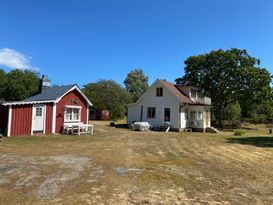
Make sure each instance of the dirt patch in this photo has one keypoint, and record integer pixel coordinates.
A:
(28, 172)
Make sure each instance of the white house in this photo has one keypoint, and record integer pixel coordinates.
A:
(176, 105)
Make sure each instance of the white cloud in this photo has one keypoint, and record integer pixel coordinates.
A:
(14, 59)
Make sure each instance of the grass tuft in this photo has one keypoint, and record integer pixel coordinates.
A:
(239, 132)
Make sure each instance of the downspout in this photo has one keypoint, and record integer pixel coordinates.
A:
(141, 113)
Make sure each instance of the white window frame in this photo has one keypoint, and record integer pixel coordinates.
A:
(72, 107)
(200, 117)
(194, 91)
(151, 109)
(193, 117)
(159, 92)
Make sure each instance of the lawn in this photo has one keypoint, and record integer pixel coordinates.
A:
(118, 166)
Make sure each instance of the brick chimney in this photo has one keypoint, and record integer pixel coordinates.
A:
(44, 83)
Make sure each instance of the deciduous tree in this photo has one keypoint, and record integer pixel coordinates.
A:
(19, 84)
(2, 84)
(136, 83)
(228, 76)
(108, 95)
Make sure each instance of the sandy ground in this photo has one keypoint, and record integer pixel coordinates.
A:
(118, 166)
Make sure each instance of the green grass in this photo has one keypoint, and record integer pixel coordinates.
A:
(239, 132)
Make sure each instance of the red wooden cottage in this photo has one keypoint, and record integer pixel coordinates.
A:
(46, 111)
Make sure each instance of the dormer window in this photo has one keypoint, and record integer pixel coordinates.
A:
(159, 92)
(193, 93)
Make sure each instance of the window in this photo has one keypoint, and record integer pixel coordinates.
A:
(167, 114)
(200, 115)
(72, 114)
(193, 114)
(39, 111)
(193, 93)
(159, 92)
(151, 112)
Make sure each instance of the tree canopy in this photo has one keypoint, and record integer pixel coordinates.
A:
(18, 84)
(2, 84)
(136, 83)
(108, 95)
(228, 76)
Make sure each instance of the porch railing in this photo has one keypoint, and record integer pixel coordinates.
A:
(202, 100)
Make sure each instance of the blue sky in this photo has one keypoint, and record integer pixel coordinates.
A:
(84, 41)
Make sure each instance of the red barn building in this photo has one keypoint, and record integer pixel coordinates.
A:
(46, 111)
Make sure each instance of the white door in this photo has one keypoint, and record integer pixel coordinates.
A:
(38, 117)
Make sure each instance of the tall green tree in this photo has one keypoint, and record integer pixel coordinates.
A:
(2, 84)
(136, 83)
(20, 84)
(108, 95)
(233, 112)
(228, 76)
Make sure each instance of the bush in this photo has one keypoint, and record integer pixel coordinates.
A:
(239, 132)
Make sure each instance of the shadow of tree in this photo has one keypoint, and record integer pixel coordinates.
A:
(260, 141)
(122, 126)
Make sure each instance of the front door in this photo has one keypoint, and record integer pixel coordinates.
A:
(207, 118)
(38, 117)
(167, 114)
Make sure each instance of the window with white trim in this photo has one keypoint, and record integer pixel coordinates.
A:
(150, 112)
(39, 111)
(159, 92)
(72, 114)
(193, 93)
(193, 114)
(200, 115)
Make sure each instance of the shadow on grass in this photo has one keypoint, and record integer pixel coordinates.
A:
(119, 126)
(232, 128)
(122, 126)
(259, 141)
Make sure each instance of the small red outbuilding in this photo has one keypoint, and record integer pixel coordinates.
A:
(46, 111)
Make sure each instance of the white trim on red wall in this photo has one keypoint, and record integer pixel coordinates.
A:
(32, 119)
(44, 130)
(9, 120)
(54, 118)
(26, 103)
(87, 114)
(79, 90)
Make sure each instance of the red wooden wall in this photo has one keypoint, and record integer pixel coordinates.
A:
(4, 112)
(68, 100)
(49, 115)
(21, 120)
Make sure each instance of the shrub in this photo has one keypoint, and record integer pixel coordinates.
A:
(239, 132)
